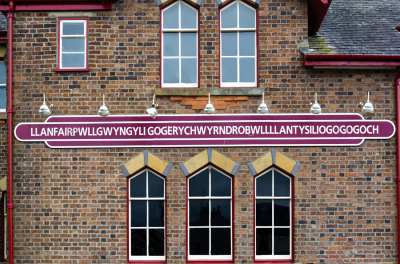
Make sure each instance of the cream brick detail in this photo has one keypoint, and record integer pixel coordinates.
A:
(3, 50)
(3, 184)
(164, 2)
(156, 164)
(135, 164)
(284, 162)
(263, 163)
(222, 161)
(196, 162)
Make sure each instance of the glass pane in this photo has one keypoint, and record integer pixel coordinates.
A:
(138, 213)
(171, 17)
(281, 185)
(229, 17)
(247, 16)
(247, 69)
(198, 212)
(138, 242)
(74, 28)
(3, 73)
(189, 71)
(156, 185)
(156, 213)
(229, 70)
(171, 44)
(73, 45)
(282, 241)
(156, 242)
(188, 44)
(220, 184)
(229, 43)
(137, 185)
(264, 184)
(282, 212)
(189, 17)
(263, 241)
(263, 212)
(220, 241)
(73, 60)
(221, 212)
(198, 185)
(247, 43)
(3, 98)
(171, 70)
(198, 241)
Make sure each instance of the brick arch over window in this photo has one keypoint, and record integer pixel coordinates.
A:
(251, 2)
(146, 160)
(209, 156)
(162, 3)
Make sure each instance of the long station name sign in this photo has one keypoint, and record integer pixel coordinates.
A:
(204, 130)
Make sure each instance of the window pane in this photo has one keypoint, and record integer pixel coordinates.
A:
(3, 98)
(76, 60)
(156, 185)
(229, 17)
(229, 43)
(220, 212)
(198, 185)
(199, 241)
(156, 242)
(198, 212)
(247, 16)
(156, 213)
(264, 184)
(282, 241)
(247, 69)
(247, 43)
(171, 17)
(138, 213)
(189, 17)
(282, 212)
(137, 185)
(263, 212)
(75, 28)
(73, 45)
(171, 70)
(189, 71)
(138, 242)
(229, 70)
(281, 185)
(171, 44)
(220, 184)
(220, 241)
(263, 241)
(3, 73)
(188, 44)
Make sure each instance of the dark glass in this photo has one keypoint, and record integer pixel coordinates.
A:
(220, 241)
(263, 241)
(263, 212)
(282, 212)
(220, 184)
(199, 243)
(138, 242)
(282, 241)
(281, 185)
(138, 185)
(264, 184)
(138, 213)
(198, 185)
(156, 242)
(156, 213)
(221, 212)
(3, 73)
(198, 212)
(156, 186)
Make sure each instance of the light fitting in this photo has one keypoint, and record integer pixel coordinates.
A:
(103, 110)
(315, 106)
(209, 109)
(367, 107)
(45, 109)
(152, 111)
(263, 108)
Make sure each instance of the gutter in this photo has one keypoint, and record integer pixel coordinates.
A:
(351, 60)
(59, 5)
(397, 84)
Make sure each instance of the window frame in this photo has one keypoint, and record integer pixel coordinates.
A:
(210, 258)
(256, 50)
(128, 199)
(61, 21)
(179, 31)
(267, 258)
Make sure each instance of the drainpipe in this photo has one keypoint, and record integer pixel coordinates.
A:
(397, 83)
(10, 111)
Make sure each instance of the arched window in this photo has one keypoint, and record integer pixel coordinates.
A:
(179, 46)
(210, 215)
(238, 45)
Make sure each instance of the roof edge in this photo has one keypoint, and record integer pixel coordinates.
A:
(351, 60)
(317, 10)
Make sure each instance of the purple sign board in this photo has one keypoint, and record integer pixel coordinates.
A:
(205, 130)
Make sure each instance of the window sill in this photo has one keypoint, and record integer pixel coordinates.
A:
(288, 261)
(72, 70)
(204, 91)
(3, 116)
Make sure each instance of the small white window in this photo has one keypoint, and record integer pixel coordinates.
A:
(73, 44)
(179, 38)
(238, 46)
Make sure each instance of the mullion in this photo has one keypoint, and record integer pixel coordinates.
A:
(209, 211)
